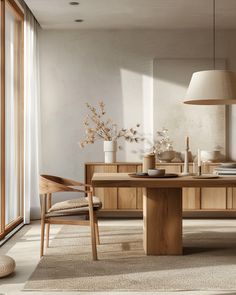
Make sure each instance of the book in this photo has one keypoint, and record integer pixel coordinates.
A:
(225, 169)
(226, 174)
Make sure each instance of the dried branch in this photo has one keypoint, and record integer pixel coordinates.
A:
(98, 127)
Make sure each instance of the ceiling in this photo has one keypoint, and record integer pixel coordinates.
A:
(133, 14)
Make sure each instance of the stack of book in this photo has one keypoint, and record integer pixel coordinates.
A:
(227, 169)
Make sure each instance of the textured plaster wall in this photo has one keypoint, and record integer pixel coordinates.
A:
(117, 66)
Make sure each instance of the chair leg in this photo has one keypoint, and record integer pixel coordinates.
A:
(47, 234)
(93, 239)
(96, 229)
(93, 234)
(42, 237)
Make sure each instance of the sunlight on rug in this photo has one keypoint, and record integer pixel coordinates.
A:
(208, 263)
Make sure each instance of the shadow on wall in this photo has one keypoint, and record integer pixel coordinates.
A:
(117, 66)
(171, 79)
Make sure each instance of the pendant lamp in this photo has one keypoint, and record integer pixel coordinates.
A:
(212, 87)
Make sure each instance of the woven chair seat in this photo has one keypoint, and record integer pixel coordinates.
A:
(73, 207)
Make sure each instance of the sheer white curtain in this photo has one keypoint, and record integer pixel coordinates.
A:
(31, 119)
(12, 145)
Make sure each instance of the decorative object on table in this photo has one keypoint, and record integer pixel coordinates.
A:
(179, 158)
(163, 146)
(228, 165)
(212, 87)
(97, 126)
(110, 149)
(156, 172)
(166, 156)
(7, 265)
(199, 162)
(149, 162)
(186, 158)
(210, 156)
(190, 156)
(226, 169)
(145, 175)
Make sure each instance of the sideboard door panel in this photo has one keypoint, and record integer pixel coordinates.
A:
(191, 198)
(127, 197)
(213, 198)
(108, 196)
(233, 198)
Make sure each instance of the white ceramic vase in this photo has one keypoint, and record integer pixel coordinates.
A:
(110, 149)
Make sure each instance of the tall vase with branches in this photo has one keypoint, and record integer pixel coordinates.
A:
(99, 127)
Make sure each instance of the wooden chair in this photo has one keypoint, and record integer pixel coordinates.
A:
(55, 214)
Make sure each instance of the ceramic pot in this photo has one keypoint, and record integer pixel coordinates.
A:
(166, 156)
(149, 162)
(110, 149)
(210, 156)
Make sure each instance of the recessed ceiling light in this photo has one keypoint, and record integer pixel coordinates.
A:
(74, 3)
(79, 20)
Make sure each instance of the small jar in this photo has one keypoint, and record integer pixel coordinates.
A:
(149, 162)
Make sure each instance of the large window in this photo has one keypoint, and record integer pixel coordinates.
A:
(12, 21)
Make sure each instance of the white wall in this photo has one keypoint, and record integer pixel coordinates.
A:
(117, 66)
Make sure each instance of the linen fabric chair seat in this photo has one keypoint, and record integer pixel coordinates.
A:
(60, 212)
(73, 207)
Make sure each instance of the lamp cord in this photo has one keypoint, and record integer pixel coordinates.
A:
(214, 35)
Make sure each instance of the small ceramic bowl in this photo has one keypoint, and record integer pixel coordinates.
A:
(156, 172)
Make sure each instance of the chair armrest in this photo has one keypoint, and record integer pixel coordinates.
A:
(50, 184)
(65, 181)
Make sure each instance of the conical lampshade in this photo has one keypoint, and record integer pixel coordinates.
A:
(212, 87)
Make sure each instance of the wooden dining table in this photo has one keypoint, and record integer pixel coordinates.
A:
(162, 206)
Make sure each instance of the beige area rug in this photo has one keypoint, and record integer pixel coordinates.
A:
(208, 263)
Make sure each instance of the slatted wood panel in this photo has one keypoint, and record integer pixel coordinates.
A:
(191, 198)
(139, 192)
(108, 196)
(213, 198)
(191, 195)
(229, 203)
(234, 198)
(127, 197)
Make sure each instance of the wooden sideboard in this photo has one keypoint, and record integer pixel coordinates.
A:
(197, 202)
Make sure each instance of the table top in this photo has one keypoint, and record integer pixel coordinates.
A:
(124, 180)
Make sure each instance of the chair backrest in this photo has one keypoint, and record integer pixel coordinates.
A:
(52, 184)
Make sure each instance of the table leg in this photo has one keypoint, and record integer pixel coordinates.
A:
(162, 213)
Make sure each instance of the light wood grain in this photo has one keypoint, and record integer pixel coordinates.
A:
(191, 198)
(213, 198)
(162, 221)
(108, 196)
(139, 192)
(229, 200)
(162, 205)
(191, 195)
(124, 180)
(234, 198)
(127, 197)
(17, 80)
(3, 119)
(50, 184)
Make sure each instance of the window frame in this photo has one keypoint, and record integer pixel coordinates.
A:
(5, 229)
